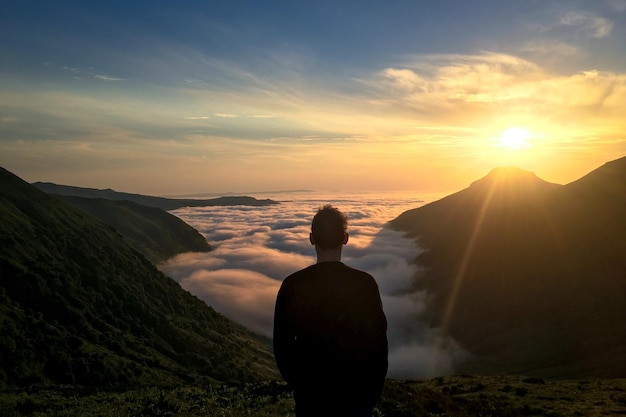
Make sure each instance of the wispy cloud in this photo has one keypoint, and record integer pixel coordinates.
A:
(618, 5)
(426, 108)
(480, 85)
(107, 77)
(550, 47)
(595, 26)
(90, 73)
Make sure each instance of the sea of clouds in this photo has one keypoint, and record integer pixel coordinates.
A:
(255, 248)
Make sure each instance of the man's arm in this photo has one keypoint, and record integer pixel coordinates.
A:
(283, 338)
(382, 351)
(378, 345)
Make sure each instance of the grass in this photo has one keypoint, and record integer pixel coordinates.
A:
(454, 396)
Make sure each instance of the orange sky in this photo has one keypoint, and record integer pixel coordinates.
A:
(160, 112)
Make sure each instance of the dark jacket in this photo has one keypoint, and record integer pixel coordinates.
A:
(330, 336)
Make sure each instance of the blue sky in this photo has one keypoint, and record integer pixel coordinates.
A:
(177, 97)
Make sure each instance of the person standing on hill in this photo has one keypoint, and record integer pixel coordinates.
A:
(330, 331)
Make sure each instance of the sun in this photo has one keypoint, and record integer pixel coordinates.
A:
(515, 138)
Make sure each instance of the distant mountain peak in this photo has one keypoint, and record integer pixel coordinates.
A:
(509, 177)
(510, 171)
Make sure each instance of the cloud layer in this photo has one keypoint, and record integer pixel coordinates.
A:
(257, 247)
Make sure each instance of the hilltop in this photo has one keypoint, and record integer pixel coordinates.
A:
(529, 276)
(79, 305)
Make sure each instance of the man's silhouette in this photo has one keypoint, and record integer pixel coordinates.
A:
(330, 332)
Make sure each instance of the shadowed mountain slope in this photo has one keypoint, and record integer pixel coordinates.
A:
(527, 275)
(157, 234)
(79, 305)
(150, 201)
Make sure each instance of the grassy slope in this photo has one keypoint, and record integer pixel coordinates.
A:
(79, 305)
(155, 233)
(455, 396)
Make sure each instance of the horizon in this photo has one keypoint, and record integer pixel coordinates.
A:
(161, 98)
(275, 194)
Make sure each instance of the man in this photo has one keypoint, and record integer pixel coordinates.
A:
(330, 332)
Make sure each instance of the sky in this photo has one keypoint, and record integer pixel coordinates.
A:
(168, 98)
(255, 248)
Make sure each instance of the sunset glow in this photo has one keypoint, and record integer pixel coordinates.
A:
(515, 138)
(204, 98)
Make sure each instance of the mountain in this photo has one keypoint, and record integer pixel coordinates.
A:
(153, 232)
(528, 276)
(78, 305)
(150, 201)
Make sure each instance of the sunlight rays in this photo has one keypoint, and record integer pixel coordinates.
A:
(459, 277)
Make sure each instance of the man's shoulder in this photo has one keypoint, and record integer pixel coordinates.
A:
(303, 271)
(300, 273)
(355, 270)
(325, 267)
(350, 270)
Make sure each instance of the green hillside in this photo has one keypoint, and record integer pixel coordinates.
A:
(155, 233)
(79, 305)
(529, 276)
(454, 396)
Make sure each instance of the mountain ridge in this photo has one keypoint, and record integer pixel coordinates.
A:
(154, 232)
(529, 276)
(147, 200)
(79, 305)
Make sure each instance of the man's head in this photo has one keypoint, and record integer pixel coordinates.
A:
(329, 229)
